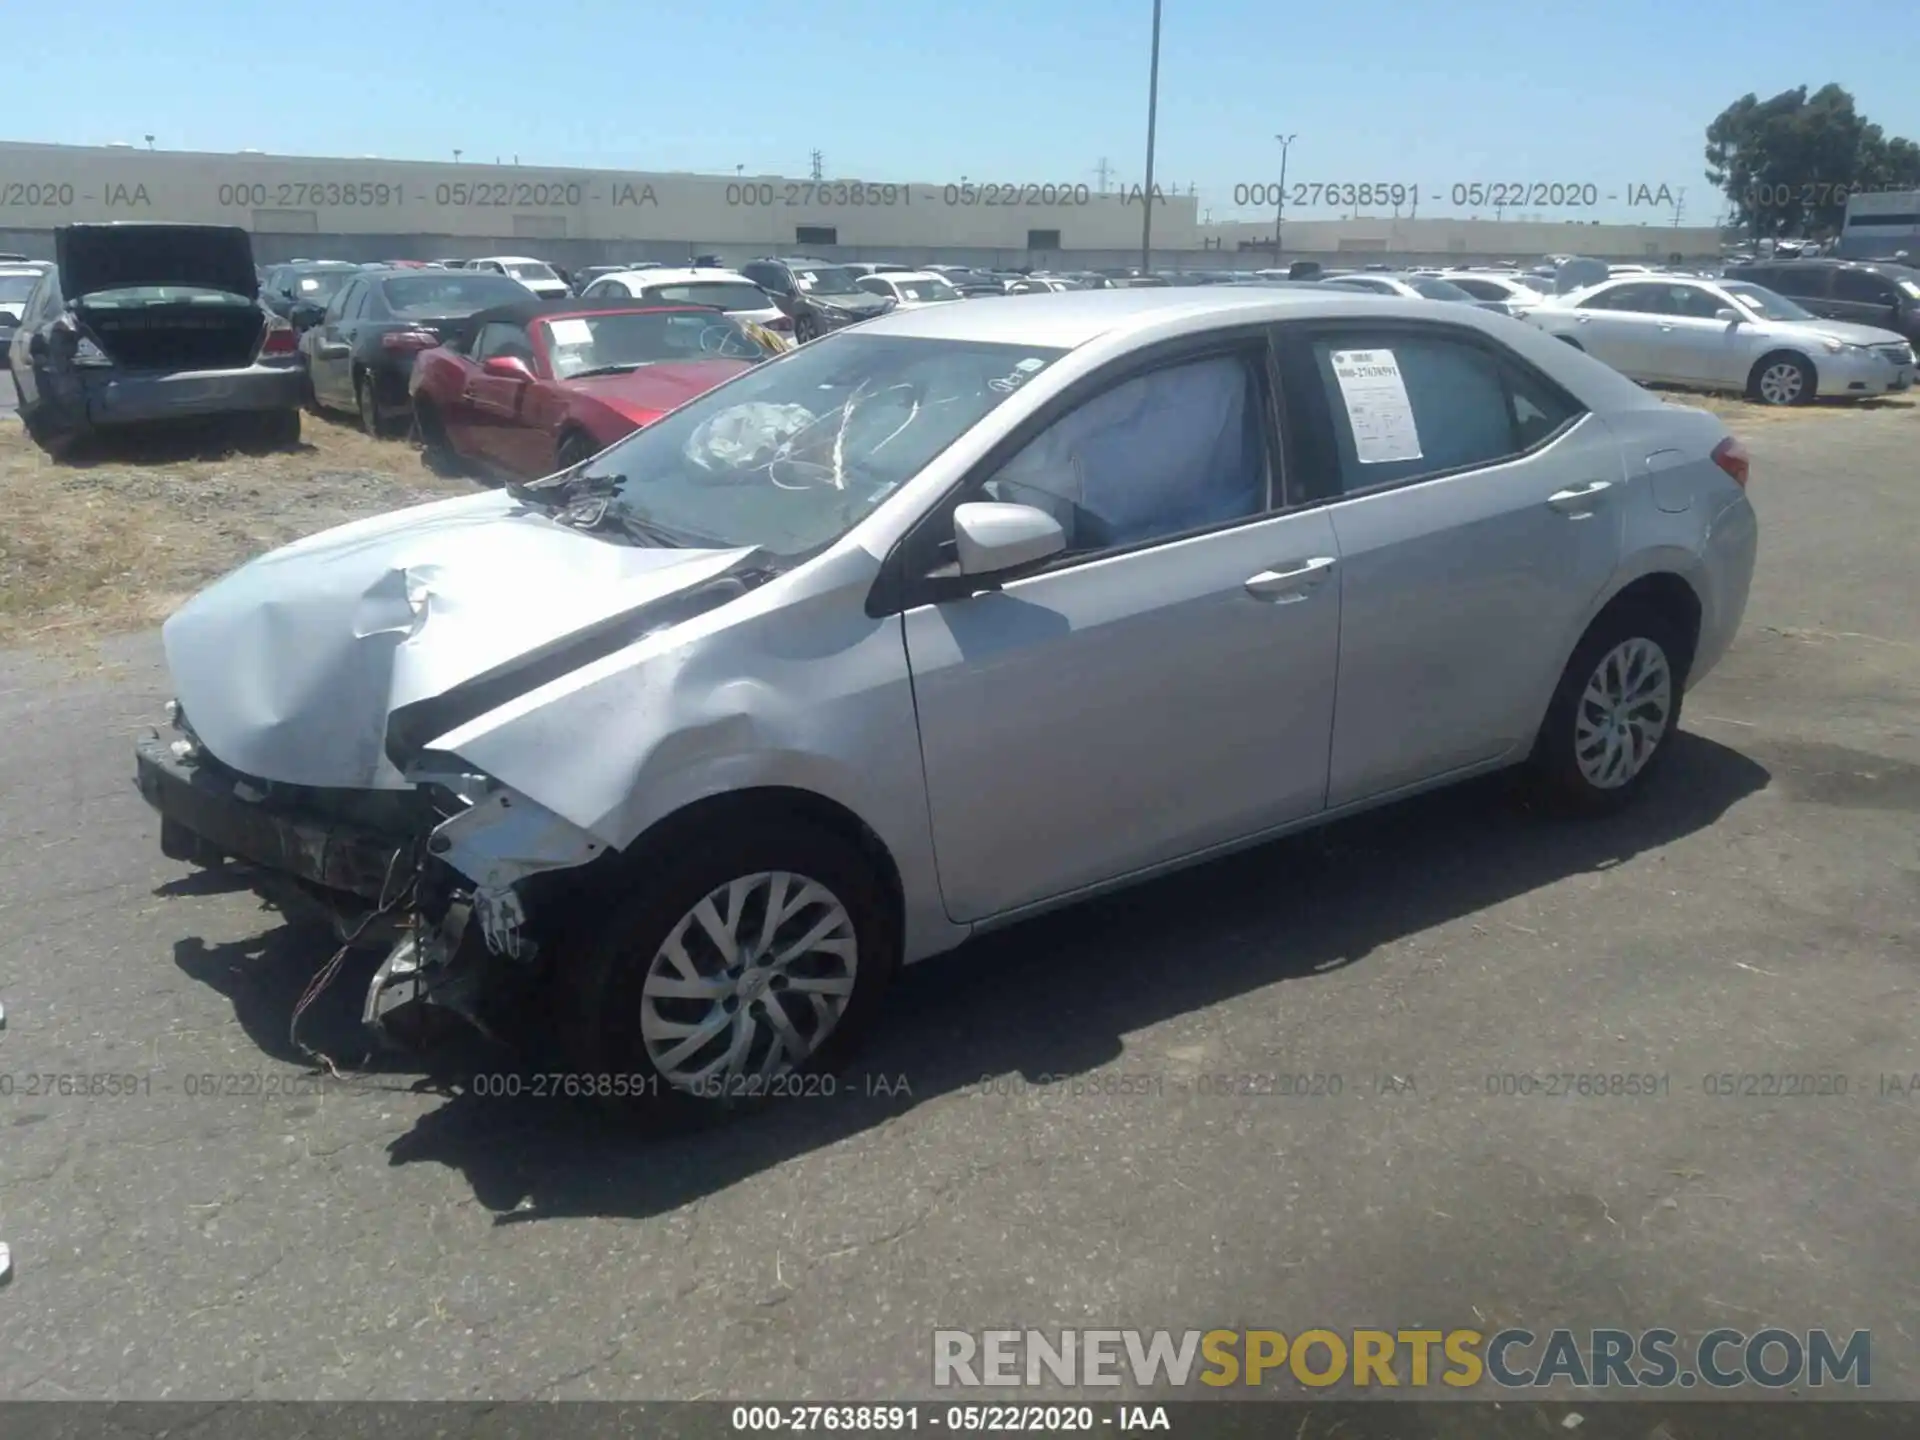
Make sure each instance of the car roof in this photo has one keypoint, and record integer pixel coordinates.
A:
(1067, 319)
(706, 274)
(508, 259)
(915, 275)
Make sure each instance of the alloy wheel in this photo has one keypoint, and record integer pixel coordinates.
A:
(1781, 383)
(1623, 713)
(749, 982)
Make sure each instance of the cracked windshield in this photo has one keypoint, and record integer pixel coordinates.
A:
(1045, 713)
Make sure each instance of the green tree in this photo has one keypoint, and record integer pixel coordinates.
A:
(1787, 164)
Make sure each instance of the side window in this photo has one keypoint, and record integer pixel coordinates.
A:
(1403, 407)
(1806, 281)
(873, 285)
(1638, 299)
(1174, 449)
(608, 290)
(337, 309)
(1696, 303)
(500, 339)
(1864, 287)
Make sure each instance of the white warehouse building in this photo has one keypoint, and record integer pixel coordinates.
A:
(373, 209)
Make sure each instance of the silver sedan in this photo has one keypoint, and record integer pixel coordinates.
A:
(1726, 335)
(935, 624)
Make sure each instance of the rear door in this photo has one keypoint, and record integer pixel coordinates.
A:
(1477, 512)
(1165, 687)
(329, 352)
(1866, 299)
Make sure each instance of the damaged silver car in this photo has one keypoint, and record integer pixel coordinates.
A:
(933, 624)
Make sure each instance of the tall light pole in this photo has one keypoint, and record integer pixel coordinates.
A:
(1280, 205)
(1153, 106)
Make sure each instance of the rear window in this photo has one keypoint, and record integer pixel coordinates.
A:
(454, 291)
(17, 287)
(722, 294)
(322, 285)
(531, 270)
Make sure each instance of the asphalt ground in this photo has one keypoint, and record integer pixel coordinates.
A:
(379, 1236)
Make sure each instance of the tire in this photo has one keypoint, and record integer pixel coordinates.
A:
(1570, 756)
(573, 449)
(1782, 379)
(270, 430)
(610, 1002)
(806, 327)
(364, 393)
(307, 396)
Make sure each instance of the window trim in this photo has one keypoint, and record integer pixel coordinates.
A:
(1304, 333)
(1889, 292)
(897, 590)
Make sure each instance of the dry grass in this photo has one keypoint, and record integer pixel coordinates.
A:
(117, 540)
(1741, 414)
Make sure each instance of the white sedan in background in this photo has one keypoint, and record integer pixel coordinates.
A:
(1507, 289)
(538, 276)
(911, 288)
(726, 290)
(1725, 335)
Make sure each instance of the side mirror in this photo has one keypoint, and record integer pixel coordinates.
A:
(991, 538)
(1732, 317)
(506, 367)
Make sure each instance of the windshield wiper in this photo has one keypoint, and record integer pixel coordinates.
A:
(565, 487)
(620, 369)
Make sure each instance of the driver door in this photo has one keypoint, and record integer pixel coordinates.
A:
(489, 425)
(1164, 687)
(1699, 347)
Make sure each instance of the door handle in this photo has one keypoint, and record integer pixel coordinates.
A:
(1580, 499)
(1581, 319)
(1292, 583)
(1665, 326)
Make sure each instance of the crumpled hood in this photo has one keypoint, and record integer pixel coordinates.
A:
(290, 666)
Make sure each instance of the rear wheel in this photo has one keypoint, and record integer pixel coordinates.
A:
(366, 391)
(806, 327)
(1782, 380)
(746, 969)
(1615, 712)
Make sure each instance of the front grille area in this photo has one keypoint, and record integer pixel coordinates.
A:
(1898, 354)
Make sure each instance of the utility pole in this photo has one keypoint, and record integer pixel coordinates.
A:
(456, 157)
(1153, 115)
(1679, 206)
(819, 165)
(1105, 172)
(1280, 205)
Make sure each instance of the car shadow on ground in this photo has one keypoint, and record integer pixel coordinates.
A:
(170, 443)
(1052, 997)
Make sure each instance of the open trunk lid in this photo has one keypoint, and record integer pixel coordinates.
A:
(93, 258)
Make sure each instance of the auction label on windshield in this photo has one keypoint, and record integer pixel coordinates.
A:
(1377, 406)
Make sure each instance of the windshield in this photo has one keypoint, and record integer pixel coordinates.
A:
(609, 344)
(791, 456)
(1439, 289)
(926, 290)
(16, 287)
(530, 270)
(1765, 303)
(721, 294)
(462, 292)
(828, 280)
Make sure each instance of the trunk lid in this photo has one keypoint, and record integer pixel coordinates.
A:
(93, 258)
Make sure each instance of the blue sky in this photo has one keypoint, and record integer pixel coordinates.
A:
(1615, 94)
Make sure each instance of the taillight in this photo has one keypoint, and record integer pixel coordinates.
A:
(280, 340)
(1731, 456)
(409, 340)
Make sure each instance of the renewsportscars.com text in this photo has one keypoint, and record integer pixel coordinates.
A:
(1608, 1359)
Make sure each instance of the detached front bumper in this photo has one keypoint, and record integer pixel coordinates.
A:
(207, 815)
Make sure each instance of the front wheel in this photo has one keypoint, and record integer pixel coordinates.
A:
(1615, 711)
(1782, 380)
(746, 969)
(805, 328)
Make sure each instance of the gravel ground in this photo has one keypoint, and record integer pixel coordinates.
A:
(389, 1237)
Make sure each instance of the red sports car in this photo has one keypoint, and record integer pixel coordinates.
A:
(530, 388)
